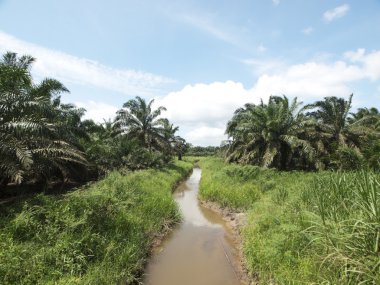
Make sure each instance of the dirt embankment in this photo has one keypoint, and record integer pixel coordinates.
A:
(235, 220)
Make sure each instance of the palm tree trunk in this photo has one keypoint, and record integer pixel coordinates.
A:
(4, 182)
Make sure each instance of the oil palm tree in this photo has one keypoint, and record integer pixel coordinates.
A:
(332, 115)
(269, 134)
(33, 142)
(139, 121)
(345, 134)
(366, 117)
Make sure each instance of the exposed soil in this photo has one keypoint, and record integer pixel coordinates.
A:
(235, 220)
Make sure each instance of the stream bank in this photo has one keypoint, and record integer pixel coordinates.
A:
(202, 249)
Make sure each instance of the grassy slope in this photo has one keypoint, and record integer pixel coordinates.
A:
(286, 240)
(97, 235)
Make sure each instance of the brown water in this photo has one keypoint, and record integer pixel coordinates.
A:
(200, 251)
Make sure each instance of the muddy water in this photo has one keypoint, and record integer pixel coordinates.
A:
(200, 251)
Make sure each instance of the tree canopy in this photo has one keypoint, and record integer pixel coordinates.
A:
(285, 135)
(44, 140)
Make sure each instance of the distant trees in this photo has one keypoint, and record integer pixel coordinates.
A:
(284, 135)
(201, 150)
(44, 140)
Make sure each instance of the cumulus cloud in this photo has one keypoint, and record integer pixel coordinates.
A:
(207, 104)
(336, 13)
(206, 135)
(68, 68)
(370, 63)
(97, 111)
(310, 80)
(202, 110)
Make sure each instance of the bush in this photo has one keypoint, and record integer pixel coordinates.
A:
(348, 158)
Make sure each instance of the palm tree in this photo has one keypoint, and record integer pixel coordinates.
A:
(332, 115)
(270, 134)
(139, 121)
(345, 134)
(369, 118)
(180, 146)
(34, 141)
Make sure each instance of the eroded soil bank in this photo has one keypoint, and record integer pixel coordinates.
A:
(204, 249)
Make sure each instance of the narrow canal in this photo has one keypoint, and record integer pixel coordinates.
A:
(200, 251)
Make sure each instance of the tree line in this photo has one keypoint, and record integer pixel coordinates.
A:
(43, 140)
(287, 135)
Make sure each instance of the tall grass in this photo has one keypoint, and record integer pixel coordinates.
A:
(95, 235)
(303, 228)
(228, 185)
(348, 225)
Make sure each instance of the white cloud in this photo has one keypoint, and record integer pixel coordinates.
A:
(68, 68)
(204, 104)
(310, 80)
(276, 2)
(202, 110)
(98, 111)
(307, 31)
(370, 63)
(336, 13)
(206, 136)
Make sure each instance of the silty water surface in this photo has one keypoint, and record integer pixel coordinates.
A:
(200, 251)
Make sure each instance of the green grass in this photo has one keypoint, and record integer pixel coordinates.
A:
(303, 228)
(99, 234)
(229, 185)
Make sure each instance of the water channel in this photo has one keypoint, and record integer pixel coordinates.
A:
(200, 251)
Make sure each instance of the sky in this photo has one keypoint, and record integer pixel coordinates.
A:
(200, 59)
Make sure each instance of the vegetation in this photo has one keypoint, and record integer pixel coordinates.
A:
(43, 141)
(218, 184)
(99, 234)
(281, 134)
(303, 227)
(201, 150)
(39, 136)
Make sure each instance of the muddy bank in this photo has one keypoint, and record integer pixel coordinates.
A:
(235, 221)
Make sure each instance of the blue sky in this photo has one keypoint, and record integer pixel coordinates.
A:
(200, 59)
